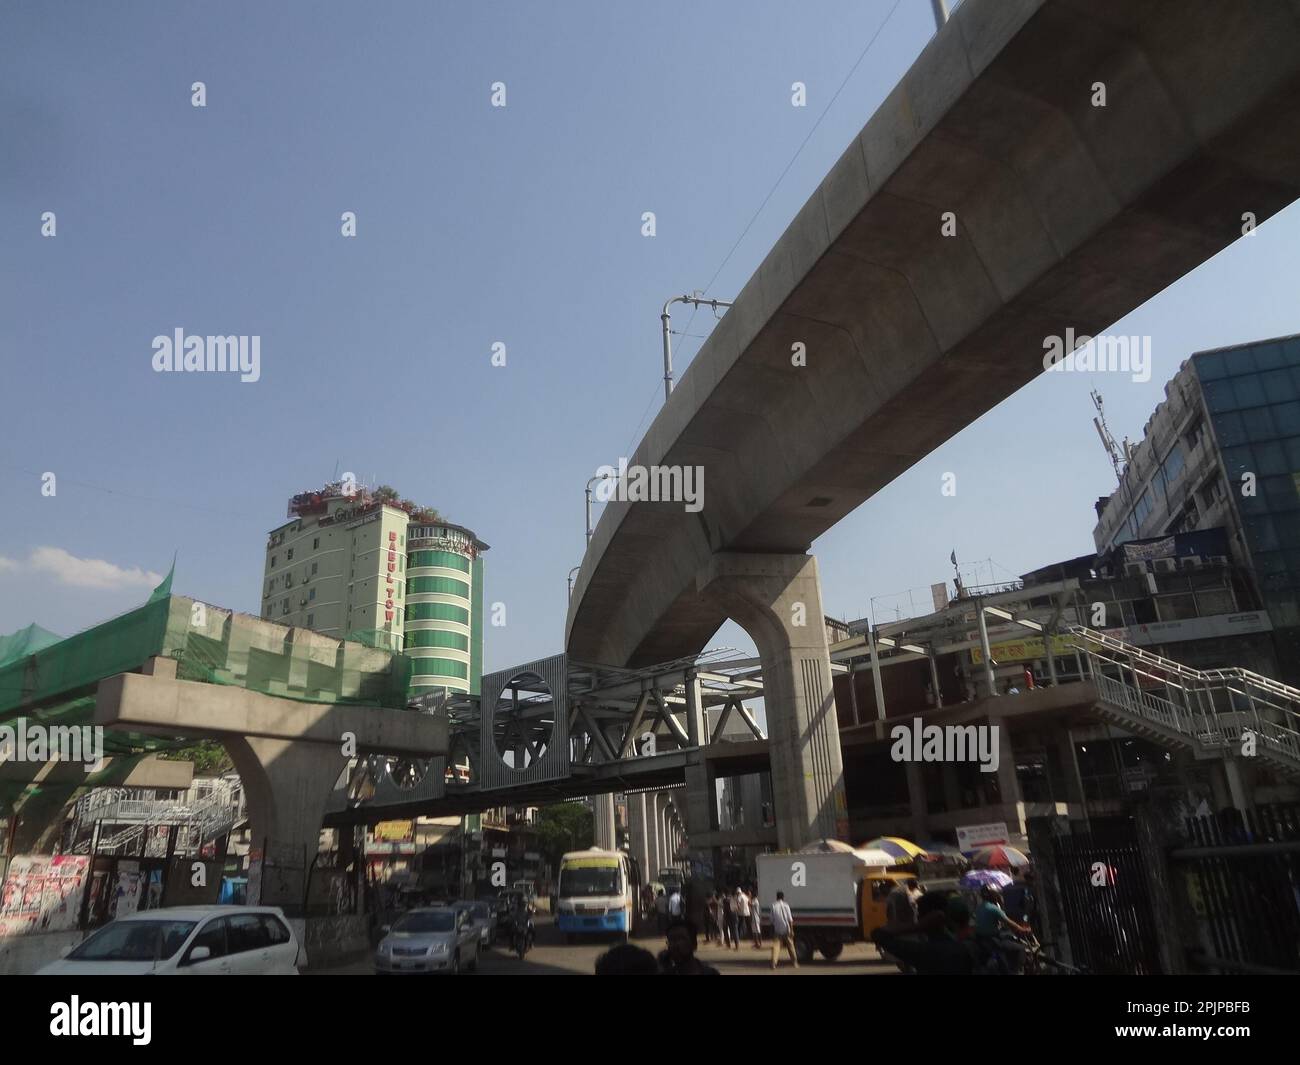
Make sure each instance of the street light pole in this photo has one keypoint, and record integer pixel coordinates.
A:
(571, 573)
(666, 318)
(590, 482)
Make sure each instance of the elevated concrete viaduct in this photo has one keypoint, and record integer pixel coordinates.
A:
(1063, 214)
(289, 754)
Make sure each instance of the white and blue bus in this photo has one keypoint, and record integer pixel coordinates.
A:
(597, 893)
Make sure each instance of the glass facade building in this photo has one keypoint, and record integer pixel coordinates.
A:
(1252, 399)
(443, 622)
(1223, 451)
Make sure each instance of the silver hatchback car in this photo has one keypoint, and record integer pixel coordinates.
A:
(433, 939)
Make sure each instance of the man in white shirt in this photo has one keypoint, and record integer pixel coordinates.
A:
(782, 930)
(740, 907)
(675, 903)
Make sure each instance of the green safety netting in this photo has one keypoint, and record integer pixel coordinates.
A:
(53, 681)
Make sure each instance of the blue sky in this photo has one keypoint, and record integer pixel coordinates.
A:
(475, 225)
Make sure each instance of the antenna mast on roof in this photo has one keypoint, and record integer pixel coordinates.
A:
(1119, 454)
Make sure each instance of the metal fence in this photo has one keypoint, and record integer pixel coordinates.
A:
(1241, 875)
(1105, 900)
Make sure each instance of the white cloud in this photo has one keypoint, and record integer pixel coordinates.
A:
(87, 572)
(7, 563)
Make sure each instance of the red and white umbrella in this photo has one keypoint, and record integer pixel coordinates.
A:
(999, 857)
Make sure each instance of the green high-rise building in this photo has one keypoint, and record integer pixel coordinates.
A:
(357, 565)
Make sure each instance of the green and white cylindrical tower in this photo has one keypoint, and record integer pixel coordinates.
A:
(444, 607)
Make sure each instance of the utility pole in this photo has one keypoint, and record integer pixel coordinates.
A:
(666, 318)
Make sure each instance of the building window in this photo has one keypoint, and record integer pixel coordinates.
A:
(315, 543)
(439, 586)
(313, 569)
(311, 620)
(311, 595)
(289, 557)
(273, 562)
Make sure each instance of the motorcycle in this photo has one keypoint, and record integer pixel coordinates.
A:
(1010, 955)
(521, 939)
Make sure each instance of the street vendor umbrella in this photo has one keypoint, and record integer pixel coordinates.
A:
(901, 850)
(875, 857)
(978, 878)
(835, 846)
(937, 851)
(826, 846)
(999, 857)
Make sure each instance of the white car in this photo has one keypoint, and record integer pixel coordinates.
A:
(199, 940)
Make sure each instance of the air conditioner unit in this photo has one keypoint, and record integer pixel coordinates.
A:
(1134, 569)
(1165, 565)
(302, 601)
(1190, 561)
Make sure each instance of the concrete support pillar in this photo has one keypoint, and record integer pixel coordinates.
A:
(990, 678)
(665, 832)
(951, 788)
(287, 786)
(701, 803)
(917, 800)
(1237, 790)
(1008, 782)
(876, 681)
(639, 833)
(777, 600)
(696, 726)
(701, 800)
(1219, 786)
(1074, 794)
(603, 809)
(652, 835)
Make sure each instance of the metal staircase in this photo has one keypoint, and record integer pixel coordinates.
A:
(1212, 713)
(194, 823)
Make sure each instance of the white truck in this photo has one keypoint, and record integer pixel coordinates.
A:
(835, 897)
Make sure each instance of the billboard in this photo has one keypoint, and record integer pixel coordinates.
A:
(1029, 649)
(395, 832)
(972, 837)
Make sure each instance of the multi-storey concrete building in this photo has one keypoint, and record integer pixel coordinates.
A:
(1224, 450)
(352, 563)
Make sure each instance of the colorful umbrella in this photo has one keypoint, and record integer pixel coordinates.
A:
(944, 852)
(826, 846)
(900, 850)
(875, 857)
(978, 878)
(999, 857)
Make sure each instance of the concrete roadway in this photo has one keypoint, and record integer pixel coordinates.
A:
(552, 956)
